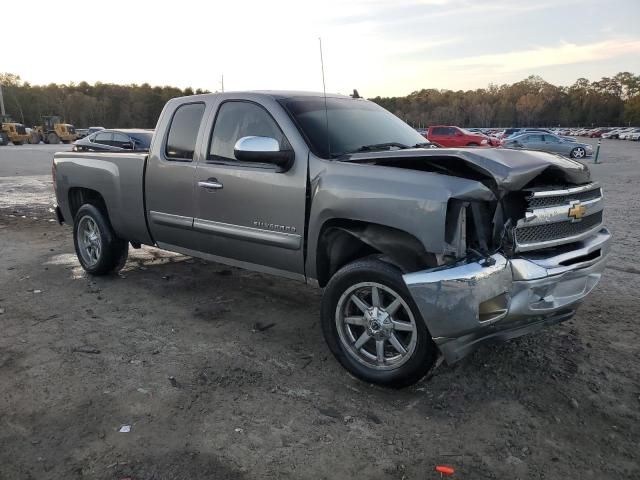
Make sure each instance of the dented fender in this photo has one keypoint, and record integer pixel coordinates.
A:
(414, 203)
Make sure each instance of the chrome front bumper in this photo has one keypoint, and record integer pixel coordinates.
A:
(468, 304)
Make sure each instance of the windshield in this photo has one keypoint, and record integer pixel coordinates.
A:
(354, 124)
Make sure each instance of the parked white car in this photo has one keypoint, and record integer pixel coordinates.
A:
(613, 133)
(616, 133)
(627, 134)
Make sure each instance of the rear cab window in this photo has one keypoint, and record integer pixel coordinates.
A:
(183, 132)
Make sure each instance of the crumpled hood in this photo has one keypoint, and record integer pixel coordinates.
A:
(510, 170)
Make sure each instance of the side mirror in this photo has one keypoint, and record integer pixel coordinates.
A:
(262, 150)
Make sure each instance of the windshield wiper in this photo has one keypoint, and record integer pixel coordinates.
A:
(424, 145)
(380, 146)
(383, 146)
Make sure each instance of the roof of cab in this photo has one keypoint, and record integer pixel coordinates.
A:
(276, 94)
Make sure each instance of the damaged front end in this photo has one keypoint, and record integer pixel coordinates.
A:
(475, 302)
(547, 259)
(511, 264)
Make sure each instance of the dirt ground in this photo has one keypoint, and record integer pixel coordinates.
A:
(222, 373)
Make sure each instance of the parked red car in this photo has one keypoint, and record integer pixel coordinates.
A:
(448, 136)
(597, 132)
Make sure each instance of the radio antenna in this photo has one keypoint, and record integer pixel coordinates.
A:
(324, 90)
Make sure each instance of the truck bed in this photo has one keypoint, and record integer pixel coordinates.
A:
(117, 177)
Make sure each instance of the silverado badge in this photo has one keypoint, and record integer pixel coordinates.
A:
(577, 211)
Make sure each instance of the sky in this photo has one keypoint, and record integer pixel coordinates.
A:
(380, 47)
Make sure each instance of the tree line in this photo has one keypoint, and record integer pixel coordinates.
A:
(84, 105)
(611, 101)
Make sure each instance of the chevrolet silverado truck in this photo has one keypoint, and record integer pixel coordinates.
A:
(421, 251)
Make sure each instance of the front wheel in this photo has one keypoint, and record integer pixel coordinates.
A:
(98, 249)
(578, 152)
(373, 327)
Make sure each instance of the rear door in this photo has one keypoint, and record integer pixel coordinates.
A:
(251, 214)
(534, 141)
(169, 177)
(440, 135)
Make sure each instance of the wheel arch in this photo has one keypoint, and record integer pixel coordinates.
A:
(342, 241)
(79, 196)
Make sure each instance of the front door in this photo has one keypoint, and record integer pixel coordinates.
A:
(250, 214)
(553, 144)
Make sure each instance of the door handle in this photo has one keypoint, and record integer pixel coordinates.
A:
(211, 184)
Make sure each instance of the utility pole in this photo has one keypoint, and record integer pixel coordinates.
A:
(222, 82)
(1, 102)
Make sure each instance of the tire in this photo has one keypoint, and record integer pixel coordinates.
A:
(388, 366)
(578, 152)
(4, 138)
(34, 139)
(53, 138)
(98, 249)
(18, 143)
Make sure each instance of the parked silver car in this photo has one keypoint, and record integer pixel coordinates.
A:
(547, 142)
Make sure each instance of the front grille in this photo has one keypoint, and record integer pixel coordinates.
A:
(544, 202)
(548, 220)
(555, 231)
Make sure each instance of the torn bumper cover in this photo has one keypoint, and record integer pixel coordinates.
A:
(468, 304)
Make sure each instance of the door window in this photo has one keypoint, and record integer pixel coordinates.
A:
(103, 138)
(551, 139)
(121, 140)
(183, 132)
(535, 138)
(241, 119)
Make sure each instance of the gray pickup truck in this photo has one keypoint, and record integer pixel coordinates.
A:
(421, 251)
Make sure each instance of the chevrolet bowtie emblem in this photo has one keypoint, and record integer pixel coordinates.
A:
(577, 211)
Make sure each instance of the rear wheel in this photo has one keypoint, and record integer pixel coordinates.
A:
(97, 247)
(53, 138)
(4, 138)
(16, 142)
(373, 327)
(578, 152)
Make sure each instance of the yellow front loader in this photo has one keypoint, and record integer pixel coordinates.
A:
(54, 131)
(11, 131)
